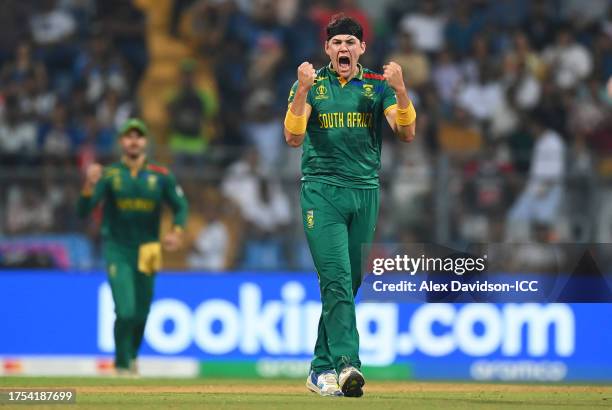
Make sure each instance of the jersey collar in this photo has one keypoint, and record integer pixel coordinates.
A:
(358, 76)
(134, 171)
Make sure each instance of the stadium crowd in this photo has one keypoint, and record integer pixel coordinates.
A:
(514, 139)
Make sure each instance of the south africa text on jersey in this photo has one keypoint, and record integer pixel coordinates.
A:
(345, 119)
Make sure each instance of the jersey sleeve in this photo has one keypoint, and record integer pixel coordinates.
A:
(174, 196)
(88, 201)
(389, 99)
(292, 94)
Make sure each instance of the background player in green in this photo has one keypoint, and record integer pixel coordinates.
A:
(336, 114)
(133, 191)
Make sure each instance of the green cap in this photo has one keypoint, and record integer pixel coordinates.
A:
(136, 124)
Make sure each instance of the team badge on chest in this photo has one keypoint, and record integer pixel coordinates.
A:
(152, 182)
(368, 90)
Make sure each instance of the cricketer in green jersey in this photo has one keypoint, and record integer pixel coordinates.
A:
(133, 191)
(336, 115)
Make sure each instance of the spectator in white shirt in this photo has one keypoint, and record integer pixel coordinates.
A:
(569, 61)
(542, 197)
(425, 27)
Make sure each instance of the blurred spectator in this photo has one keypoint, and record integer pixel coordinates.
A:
(523, 88)
(101, 69)
(125, 24)
(486, 192)
(414, 63)
(27, 211)
(17, 135)
(447, 76)
(113, 110)
(50, 24)
(264, 129)
(191, 111)
(53, 31)
(520, 143)
(264, 207)
(207, 23)
(540, 24)
(426, 27)
(541, 255)
(602, 51)
(588, 109)
(505, 14)
(211, 247)
(261, 200)
(267, 42)
(584, 14)
(58, 138)
(485, 96)
(410, 187)
(522, 55)
(23, 73)
(553, 107)
(15, 23)
(581, 191)
(568, 60)
(480, 57)
(542, 197)
(99, 141)
(461, 28)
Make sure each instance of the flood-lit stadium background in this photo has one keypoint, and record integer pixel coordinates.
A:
(514, 132)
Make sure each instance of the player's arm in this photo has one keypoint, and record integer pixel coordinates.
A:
(299, 110)
(93, 191)
(174, 196)
(401, 116)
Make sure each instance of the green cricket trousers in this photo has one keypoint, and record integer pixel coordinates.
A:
(132, 293)
(339, 223)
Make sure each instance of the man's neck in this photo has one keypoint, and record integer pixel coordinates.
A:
(134, 164)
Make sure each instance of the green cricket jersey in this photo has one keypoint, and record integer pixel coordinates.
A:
(132, 204)
(343, 136)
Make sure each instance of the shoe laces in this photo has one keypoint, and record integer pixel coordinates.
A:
(329, 378)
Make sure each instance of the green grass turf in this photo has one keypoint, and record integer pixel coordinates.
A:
(290, 394)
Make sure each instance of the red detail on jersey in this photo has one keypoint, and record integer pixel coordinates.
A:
(158, 168)
(373, 76)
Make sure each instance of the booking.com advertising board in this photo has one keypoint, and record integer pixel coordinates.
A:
(237, 320)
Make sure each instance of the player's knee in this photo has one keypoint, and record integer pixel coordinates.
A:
(336, 291)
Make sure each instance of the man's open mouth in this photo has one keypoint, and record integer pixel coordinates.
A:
(344, 63)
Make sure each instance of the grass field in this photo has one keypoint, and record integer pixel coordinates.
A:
(220, 394)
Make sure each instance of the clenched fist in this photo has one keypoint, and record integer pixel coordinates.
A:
(306, 75)
(393, 75)
(172, 241)
(93, 174)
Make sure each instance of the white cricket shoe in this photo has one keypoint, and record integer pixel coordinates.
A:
(351, 382)
(325, 383)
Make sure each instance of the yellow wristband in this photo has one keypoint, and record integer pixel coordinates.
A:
(405, 116)
(295, 124)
